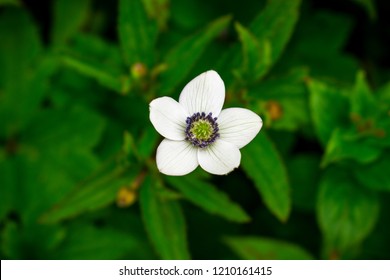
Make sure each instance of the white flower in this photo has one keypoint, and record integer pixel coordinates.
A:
(197, 132)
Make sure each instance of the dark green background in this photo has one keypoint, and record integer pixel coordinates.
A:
(76, 143)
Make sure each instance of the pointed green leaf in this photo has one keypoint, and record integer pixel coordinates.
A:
(164, 222)
(276, 23)
(208, 197)
(261, 248)
(263, 164)
(363, 102)
(256, 54)
(106, 79)
(329, 109)
(349, 145)
(21, 84)
(346, 212)
(184, 55)
(137, 33)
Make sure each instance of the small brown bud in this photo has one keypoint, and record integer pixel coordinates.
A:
(126, 197)
(274, 109)
(138, 70)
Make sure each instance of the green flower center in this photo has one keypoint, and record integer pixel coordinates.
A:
(202, 130)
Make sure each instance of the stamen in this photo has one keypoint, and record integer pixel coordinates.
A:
(202, 130)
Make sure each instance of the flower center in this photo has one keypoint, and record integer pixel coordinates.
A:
(202, 130)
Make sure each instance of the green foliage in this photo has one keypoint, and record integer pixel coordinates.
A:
(78, 176)
(91, 243)
(104, 78)
(19, 53)
(65, 26)
(260, 248)
(182, 57)
(137, 43)
(256, 54)
(374, 175)
(209, 198)
(264, 165)
(323, 100)
(282, 101)
(164, 221)
(276, 24)
(346, 212)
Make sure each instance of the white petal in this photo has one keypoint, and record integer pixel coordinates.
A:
(168, 118)
(238, 126)
(176, 158)
(219, 158)
(205, 93)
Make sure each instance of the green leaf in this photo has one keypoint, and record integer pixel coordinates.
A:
(164, 222)
(21, 84)
(262, 163)
(375, 175)
(93, 48)
(346, 212)
(383, 93)
(137, 33)
(209, 198)
(92, 194)
(47, 177)
(64, 25)
(349, 145)
(329, 109)
(20, 48)
(284, 100)
(80, 128)
(106, 79)
(275, 24)
(261, 248)
(184, 55)
(147, 143)
(363, 102)
(256, 54)
(36, 180)
(89, 243)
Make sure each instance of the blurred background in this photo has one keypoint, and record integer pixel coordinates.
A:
(78, 177)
